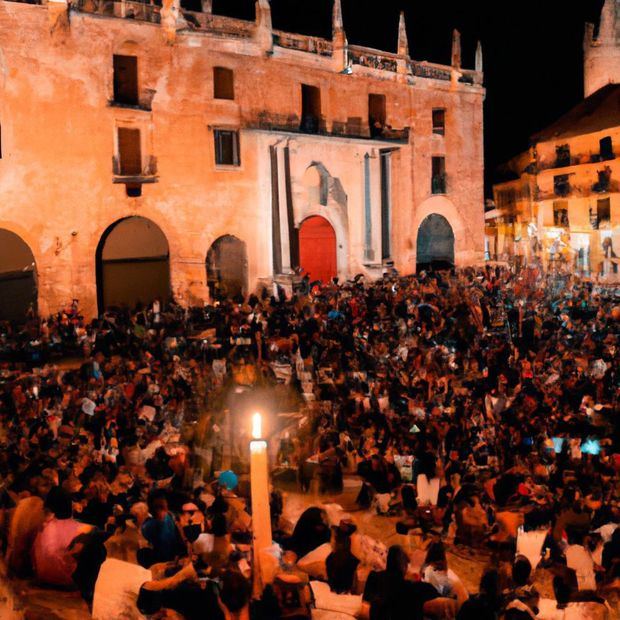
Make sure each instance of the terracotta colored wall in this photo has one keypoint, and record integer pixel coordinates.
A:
(59, 141)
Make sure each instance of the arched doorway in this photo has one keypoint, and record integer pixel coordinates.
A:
(18, 277)
(133, 264)
(435, 247)
(317, 249)
(227, 268)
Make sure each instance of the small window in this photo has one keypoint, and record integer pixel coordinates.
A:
(223, 83)
(376, 114)
(310, 109)
(226, 147)
(561, 185)
(126, 80)
(562, 155)
(438, 181)
(606, 148)
(603, 210)
(129, 152)
(560, 213)
(439, 121)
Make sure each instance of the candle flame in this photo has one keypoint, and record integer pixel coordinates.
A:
(257, 426)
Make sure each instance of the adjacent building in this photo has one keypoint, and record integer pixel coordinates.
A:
(156, 151)
(559, 204)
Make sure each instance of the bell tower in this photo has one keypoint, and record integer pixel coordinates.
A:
(601, 50)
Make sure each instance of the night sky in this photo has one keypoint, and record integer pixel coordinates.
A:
(533, 55)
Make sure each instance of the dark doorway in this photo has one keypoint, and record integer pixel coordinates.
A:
(133, 264)
(125, 80)
(18, 278)
(435, 247)
(317, 249)
(310, 109)
(376, 115)
(227, 268)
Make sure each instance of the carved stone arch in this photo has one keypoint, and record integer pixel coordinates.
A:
(323, 188)
(126, 47)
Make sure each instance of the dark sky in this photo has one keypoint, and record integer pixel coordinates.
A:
(532, 50)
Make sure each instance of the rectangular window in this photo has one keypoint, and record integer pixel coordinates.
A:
(223, 83)
(562, 155)
(126, 80)
(438, 182)
(226, 147)
(606, 148)
(376, 114)
(561, 185)
(560, 213)
(129, 152)
(603, 210)
(310, 109)
(439, 121)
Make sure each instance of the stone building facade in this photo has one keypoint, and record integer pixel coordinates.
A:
(150, 151)
(560, 202)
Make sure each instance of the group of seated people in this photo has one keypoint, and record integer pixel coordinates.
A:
(475, 431)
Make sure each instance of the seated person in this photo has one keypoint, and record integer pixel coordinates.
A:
(160, 530)
(196, 597)
(437, 573)
(521, 591)
(341, 564)
(53, 562)
(391, 596)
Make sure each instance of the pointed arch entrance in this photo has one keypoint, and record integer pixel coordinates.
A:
(227, 268)
(435, 246)
(133, 264)
(18, 277)
(317, 249)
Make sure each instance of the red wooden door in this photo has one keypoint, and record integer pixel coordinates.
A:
(317, 249)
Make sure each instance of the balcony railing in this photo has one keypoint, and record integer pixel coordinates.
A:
(126, 9)
(312, 45)
(430, 70)
(373, 59)
(353, 129)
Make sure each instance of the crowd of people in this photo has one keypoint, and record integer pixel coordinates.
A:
(473, 410)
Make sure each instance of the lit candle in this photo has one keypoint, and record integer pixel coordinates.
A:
(261, 513)
(257, 426)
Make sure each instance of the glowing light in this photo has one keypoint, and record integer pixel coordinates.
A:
(257, 426)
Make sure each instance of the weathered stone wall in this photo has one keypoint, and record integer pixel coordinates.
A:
(59, 141)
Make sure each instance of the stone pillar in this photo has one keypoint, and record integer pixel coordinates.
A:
(263, 35)
(402, 64)
(58, 15)
(456, 56)
(340, 55)
(369, 254)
